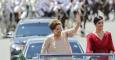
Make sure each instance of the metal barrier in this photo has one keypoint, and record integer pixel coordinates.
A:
(81, 56)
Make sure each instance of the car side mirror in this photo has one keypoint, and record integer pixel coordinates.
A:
(10, 34)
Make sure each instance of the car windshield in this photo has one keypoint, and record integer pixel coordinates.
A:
(35, 48)
(32, 29)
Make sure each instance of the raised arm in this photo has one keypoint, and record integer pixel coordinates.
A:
(73, 31)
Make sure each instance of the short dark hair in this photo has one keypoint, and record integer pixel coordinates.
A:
(54, 23)
(96, 19)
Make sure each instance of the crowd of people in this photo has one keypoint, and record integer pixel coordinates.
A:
(14, 10)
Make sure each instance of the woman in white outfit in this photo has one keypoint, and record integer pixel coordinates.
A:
(57, 42)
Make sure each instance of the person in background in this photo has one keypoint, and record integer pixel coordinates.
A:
(99, 41)
(57, 42)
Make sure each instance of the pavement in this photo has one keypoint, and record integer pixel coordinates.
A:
(5, 49)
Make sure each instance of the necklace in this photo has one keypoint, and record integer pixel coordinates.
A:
(100, 34)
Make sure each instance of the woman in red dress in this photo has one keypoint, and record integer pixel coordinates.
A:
(99, 41)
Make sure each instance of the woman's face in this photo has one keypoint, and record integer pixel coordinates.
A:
(57, 30)
(99, 25)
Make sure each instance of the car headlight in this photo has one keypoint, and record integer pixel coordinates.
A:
(17, 47)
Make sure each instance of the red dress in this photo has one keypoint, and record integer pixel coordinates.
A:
(95, 45)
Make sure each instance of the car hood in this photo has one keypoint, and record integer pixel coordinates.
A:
(23, 40)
